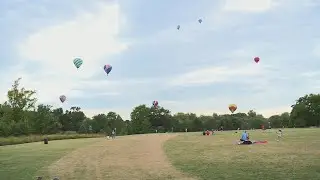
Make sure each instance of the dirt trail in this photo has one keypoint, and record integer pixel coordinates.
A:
(138, 157)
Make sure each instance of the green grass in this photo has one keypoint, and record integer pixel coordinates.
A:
(296, 156)
(36, 138)
(23, 161)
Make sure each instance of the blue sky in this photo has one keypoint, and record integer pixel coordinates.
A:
(200, 68)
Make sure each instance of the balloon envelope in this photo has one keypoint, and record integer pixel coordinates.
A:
(233, 107)
(62, 98)
(155, 103)
(200, 20)
(77, 62)
(107, 68)
(256, 59)
(178, 27)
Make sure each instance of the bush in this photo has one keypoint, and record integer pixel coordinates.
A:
(36, 138)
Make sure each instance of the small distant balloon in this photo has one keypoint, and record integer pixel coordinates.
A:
(155, 103)
(200, 21)
(77, 62)
(62, 98)
(107, 68)
(178, 27)
(233, 108)
(256, 59)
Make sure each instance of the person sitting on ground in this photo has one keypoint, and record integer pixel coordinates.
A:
(207, 132)
(245, 138)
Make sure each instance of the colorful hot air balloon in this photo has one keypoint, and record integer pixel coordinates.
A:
(200, 21)
(62, 98)
(77, 62)
(233, 108)
(107, 68)
(256, 59)
(178, 27)
(155, 104)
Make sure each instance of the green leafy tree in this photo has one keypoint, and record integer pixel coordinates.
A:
(306, 111)
(140, 117)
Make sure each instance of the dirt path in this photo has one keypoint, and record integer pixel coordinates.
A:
(131, 157)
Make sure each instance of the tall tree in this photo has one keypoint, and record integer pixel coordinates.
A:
(306, 111)
(140, 117)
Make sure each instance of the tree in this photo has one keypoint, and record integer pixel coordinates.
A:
(306, 111)
(140, 117)
(100, 121)
(21, 99)
(45, 122)
(18, 116)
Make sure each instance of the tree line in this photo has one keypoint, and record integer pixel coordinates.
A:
(19, 115)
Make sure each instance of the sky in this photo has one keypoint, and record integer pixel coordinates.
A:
(201, 68)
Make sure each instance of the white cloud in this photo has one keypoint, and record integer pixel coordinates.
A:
(274, 111)
(93, 36)
(216, 74)
(310, 74)
(248, 5)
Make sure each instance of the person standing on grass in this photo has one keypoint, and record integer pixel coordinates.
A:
(279, 134)
(113, 133)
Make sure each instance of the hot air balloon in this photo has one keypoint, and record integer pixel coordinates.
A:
(155, 104)
(178, 27)
(200, 21)
(62, 98)
(77, 62)
(233, 108)
(256, 59)
(107, 68)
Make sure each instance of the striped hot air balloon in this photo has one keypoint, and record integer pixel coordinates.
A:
(77, 62)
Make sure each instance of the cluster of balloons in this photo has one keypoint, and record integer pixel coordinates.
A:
(77, 63)
(107, 68)
(233, 107)
(199, 20)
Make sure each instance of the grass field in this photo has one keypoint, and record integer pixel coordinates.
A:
(23, 161)
(168, 156)
(128, 157)
(297, 156)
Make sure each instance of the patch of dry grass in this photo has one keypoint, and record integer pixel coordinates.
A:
(217, 156)
(131, 157)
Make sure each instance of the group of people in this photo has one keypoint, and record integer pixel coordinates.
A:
(245, 139)
(207, 132)
(112, 135)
